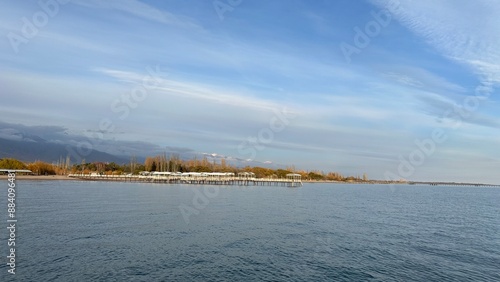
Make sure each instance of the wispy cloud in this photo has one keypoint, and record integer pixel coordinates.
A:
(191, 90)
(142, 10)
(79, 43)
(448, 26)
(423, 79)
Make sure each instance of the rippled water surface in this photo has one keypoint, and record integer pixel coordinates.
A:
(101, 231)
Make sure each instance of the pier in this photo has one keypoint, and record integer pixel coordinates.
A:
(196, 178)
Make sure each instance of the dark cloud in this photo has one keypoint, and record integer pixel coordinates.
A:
(440, 107)
(37, 133)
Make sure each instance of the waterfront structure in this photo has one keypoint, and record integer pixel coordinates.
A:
(207, 178)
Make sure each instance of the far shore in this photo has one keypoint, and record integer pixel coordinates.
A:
(376, 182)
(65, 177)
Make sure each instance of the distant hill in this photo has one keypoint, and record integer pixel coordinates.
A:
(29, 151)
(48, 143)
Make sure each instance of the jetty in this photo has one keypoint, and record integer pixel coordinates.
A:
(197, 178)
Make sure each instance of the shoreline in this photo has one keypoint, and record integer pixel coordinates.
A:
(38, 177)
(67, 178)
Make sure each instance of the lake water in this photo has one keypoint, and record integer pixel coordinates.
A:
(102, 231)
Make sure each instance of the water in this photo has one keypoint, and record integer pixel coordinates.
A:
(101, 231)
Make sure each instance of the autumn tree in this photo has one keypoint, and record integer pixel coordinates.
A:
(12, 164)
(281, 173)
(148, 164)
(42, 168)
(315, 176)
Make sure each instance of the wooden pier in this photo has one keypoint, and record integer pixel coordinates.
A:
(292, 180)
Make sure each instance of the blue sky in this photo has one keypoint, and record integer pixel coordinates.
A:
(348, 86)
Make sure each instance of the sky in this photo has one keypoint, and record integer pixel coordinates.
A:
(394, 89)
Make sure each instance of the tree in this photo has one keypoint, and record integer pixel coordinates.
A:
(12, 164)
(112, 166)
(133, 164)
(281, 173)
(315, 176)
(42, 168)
(148, 163)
